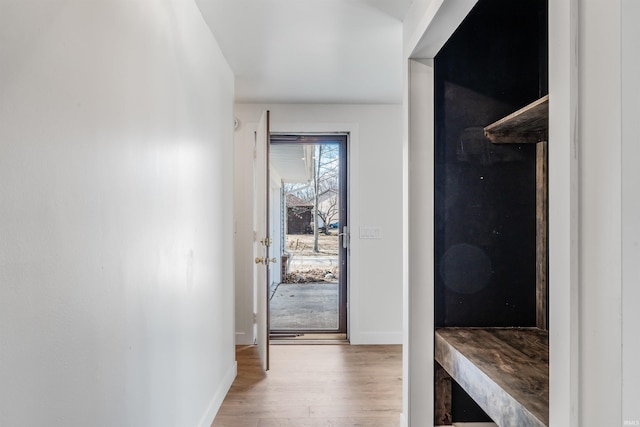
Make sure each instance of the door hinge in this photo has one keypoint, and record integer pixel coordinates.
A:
(267, 241)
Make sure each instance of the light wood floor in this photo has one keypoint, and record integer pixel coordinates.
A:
(316, 386)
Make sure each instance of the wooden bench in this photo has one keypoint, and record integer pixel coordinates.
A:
(505, 370)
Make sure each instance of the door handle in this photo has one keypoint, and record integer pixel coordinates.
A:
(345, 237)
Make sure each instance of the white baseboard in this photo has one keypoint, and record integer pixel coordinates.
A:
(475, 425)
(243, 339)
(403, 423)
(375, 338)
(472, 425)
(221, 393)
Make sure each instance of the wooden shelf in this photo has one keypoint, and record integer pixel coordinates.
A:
(527, 125)
(505, 370)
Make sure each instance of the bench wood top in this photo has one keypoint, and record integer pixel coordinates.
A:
(505, 370)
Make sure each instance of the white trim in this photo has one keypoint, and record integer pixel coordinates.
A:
(563, 214)
(243, 338)
(218, 398)
(352, 130)
(475, 425)
(353, 183)
(439, 23)
(418, 285)
(376, 338)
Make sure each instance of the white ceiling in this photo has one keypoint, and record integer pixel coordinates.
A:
(311, 51)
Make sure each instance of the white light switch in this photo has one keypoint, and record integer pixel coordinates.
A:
(370, 233)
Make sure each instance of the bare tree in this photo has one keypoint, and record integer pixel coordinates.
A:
(303, 191)
(325, 180)
(323, 186)
(328, 210)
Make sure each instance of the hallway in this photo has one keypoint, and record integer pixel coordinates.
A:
(316, 386)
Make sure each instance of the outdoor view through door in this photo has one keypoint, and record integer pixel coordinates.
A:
(308, 289)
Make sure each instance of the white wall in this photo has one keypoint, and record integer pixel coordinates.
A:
(630, 209)
(116, 285)
(375, 191)
(600, 213)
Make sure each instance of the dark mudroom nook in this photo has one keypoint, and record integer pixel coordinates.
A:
(491, 299)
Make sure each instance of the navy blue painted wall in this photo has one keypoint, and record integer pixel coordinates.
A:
(494, 64)
(485, 193)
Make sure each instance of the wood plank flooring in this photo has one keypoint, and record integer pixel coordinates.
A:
(316, 386)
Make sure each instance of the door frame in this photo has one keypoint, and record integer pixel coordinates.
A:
(245, 319)
(352, 130)
(261, 237)
(433, 31)
(342, 138)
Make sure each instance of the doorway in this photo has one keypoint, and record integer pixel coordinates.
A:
(309, 214)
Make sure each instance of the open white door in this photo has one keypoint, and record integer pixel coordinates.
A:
(262, 240)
